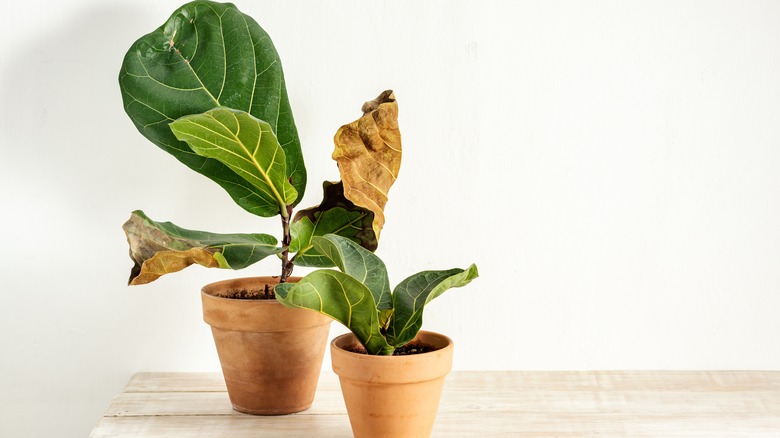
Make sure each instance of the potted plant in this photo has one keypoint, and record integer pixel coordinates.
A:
(208, 88)
(387, 394)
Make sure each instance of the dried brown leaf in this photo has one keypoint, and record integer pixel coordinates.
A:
(368, 153)
(156, 253)
(165, 262)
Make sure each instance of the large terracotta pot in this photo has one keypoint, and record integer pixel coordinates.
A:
(271, 355)
(392, 396)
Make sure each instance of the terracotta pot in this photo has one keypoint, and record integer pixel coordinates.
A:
(271, 355)
(392, 396)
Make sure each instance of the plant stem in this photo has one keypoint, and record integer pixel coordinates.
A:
(287, 264)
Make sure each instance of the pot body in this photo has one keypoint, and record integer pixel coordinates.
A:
(392, 396)
(271, 355)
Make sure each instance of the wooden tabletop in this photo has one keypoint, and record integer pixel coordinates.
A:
(477, 404)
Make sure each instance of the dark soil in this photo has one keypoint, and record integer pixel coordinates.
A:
(410, 348)
(266, 293)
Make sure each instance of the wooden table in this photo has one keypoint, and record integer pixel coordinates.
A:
(477, 404)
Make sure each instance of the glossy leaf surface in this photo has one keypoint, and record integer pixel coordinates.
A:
(342, 298)
(208, 55)
(335, 215)
(411, 296)
(247, 146)
(359, 263)
(358, 298)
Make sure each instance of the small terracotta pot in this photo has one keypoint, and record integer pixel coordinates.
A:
(392, 396)
(271, 355)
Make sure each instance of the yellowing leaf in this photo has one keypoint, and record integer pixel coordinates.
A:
(159, 248)
(368, 152)
(165, 262)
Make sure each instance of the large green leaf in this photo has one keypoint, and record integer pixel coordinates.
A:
(208, 55)
(344, 299)
(359, 263)
(334, 215)
(159, 248)
(336, 220)
(411, 296)
(247, 146)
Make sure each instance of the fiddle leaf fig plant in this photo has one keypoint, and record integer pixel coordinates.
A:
(359, 296)
(207, 87)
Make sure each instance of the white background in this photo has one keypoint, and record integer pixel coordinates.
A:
(612, 168)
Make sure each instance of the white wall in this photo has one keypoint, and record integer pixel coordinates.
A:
(612, 168)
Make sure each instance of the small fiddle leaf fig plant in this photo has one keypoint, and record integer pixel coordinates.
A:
(207, 87)
(359, 294)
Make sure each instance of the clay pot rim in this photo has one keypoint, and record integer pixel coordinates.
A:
(393, 369)
(254, 315)
(419, 356)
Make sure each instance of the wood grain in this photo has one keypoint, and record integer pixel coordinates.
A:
(509, 403)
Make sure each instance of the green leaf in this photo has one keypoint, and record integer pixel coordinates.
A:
(359, 263)
(342, 298)
(247, 146)
(411, 296)
(208, 55)
(333, 221)
(159, 248)
(334, 215)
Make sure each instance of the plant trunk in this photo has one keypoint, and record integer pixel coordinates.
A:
(287, 264)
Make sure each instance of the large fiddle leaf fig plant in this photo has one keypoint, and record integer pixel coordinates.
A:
(207, 87)
(359, 296)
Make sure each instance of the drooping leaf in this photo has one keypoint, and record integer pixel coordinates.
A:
(208, 55)
(411, 296)
(159, 248)
(247, 146)
(335, 215)
(359, 263)
(368, 152)
(341, 297)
